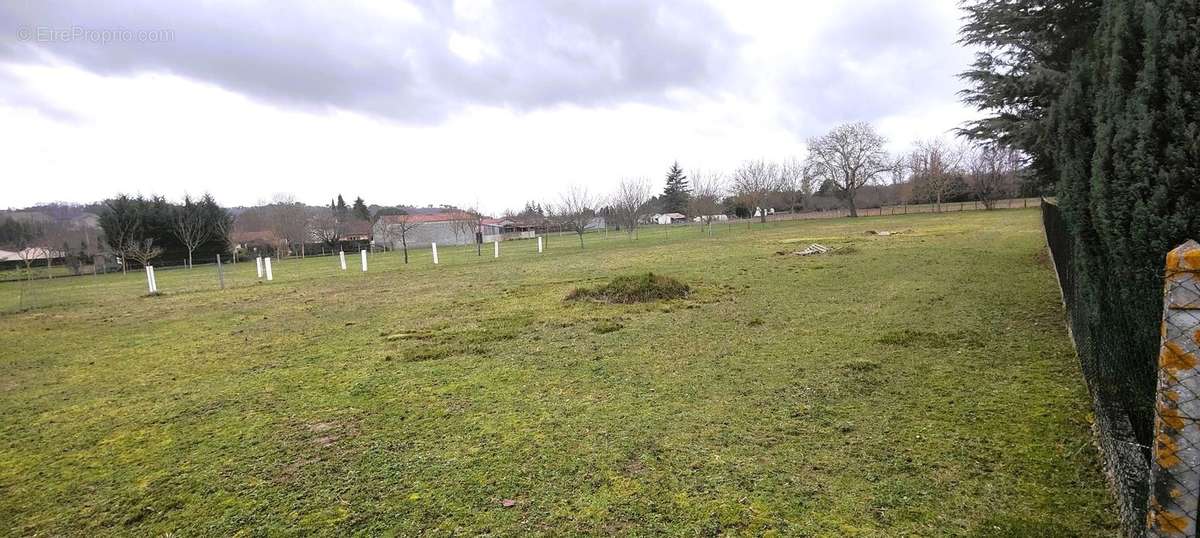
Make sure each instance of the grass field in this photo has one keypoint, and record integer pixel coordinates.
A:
(915, 384)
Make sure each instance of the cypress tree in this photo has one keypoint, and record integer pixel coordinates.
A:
(360, 210)
(340, 210)
(1126, 153)
(676, 193)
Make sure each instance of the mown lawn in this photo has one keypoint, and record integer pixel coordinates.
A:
(915, 384)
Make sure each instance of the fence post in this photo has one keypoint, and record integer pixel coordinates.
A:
(1175, 465)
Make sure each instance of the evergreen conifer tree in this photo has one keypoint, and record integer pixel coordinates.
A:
(360, 210)
(675, 195)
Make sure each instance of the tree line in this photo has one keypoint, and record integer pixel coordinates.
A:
(841, 164)
(841, 168)
(140, 229)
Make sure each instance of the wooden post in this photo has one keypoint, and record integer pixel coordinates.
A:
(220, 272)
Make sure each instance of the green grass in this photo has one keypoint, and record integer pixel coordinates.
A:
(921, 384)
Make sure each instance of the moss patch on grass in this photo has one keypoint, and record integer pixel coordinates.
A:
(931, 339)
(629, 289)
(607, 326)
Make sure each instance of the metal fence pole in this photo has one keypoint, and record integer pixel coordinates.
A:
(1175, 465)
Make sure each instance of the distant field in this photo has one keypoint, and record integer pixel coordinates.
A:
(915, 384)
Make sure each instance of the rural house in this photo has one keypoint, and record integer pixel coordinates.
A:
(447, 228)
(670, 218)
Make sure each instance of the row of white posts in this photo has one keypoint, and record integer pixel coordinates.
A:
(342, 259)
(263, 265)
(433, 249)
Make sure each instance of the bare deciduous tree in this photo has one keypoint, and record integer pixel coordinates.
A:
(993, 170)
(26, 239)
(575, 210)
(21, 237)
(795, 184)
(753, 182)
(849, 157)
(630, 203)
(935, 164)
(401, 226)
(472, 220)
(327, 228)
(142, 251)
(461, 224)
(190, 225)
(123, 225)
(897, 177)
(289, 221)
(223, 229)
(707, 190)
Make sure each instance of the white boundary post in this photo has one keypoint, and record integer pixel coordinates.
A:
(268, 264)
(258, 263)
(149, 280)
(435, 258)
(154, 279)
(497, 249)
(363, 254)
(342, 256)
(539, 244)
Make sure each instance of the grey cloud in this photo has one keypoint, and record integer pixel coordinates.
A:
(322, 56)
(875, 59)
(14, 92)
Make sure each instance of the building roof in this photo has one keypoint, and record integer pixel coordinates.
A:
(356, 227)
(448, 216)
(35, 253)
(266, 236)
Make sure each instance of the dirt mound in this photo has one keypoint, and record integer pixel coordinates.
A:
(629, 289)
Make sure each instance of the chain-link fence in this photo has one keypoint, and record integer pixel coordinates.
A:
(1133, 432)
(1126, 456)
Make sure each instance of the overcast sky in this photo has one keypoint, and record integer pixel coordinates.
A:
(472, 102)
